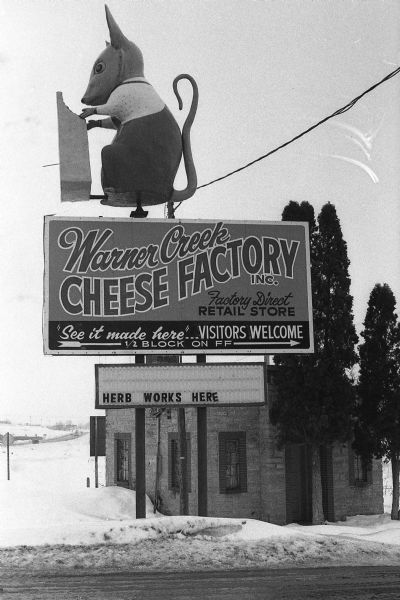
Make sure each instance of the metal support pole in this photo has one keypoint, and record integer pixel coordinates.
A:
(140, 464)
(182, 443)
(96, 458)
(8, 455)
(158, 465)
(184, 499)
(140, 456)
(96, 471)
(202, 461)
(202, 478)
(140, 423)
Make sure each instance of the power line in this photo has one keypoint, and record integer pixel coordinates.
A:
(337, 112)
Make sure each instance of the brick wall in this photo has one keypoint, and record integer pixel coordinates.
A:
(264, 498)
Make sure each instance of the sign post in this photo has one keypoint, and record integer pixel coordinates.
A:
(8, 456)
(96, 458)
(182, 443)
(202, 446)
(183, 498)
(97, 443)
(140, 455)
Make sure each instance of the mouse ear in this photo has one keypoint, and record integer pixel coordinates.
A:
(118, 40)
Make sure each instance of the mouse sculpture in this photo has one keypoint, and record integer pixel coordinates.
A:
(139, 166)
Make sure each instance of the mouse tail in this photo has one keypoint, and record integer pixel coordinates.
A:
(180, 195)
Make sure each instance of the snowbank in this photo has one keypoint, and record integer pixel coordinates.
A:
(50, 519)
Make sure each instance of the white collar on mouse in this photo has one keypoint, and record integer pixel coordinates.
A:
(133, 80)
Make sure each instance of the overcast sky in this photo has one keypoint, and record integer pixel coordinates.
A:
(266, 70)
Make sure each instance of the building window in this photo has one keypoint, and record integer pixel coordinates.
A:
(122, 450)
(174, 462)
(360, 469)
(232, 462)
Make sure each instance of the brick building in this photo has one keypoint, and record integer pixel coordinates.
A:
(248, 476)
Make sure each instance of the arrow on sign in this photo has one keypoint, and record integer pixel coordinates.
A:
(80, 344)
(290, 343)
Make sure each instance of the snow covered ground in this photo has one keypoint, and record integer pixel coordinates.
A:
(45, 433)
(49, 519)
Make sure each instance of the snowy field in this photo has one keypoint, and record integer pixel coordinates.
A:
(50, 520)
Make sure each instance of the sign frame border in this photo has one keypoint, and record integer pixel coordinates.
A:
(263, 365)
(132, 352)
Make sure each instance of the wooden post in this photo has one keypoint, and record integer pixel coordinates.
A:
(8, 455)
(202, 461)
(182, 443)
(140, 464)
(96, 459)
(140, 427)
(140, 455)
(202, 484)
(184, 499)
(158, 465)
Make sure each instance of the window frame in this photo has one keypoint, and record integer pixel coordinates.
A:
(123, 437)
(359, 465)
(224, 438)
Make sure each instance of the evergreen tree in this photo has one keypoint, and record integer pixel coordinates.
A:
(315, 396)
(377, 430)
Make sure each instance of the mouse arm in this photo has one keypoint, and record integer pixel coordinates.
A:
(103, 123)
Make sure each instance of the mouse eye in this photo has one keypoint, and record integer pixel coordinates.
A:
(99, 67)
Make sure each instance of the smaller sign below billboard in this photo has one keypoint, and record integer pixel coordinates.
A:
(219, 384)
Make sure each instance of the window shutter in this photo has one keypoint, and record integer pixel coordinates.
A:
(188, 462)
(222, 462)
(170, 457)
(242, 461)
(352, 480)
(368, 467)
(118, 439)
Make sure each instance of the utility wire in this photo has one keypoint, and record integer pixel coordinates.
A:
(337, 112)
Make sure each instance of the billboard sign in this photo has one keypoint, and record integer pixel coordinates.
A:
(218, 384)
(142, 286)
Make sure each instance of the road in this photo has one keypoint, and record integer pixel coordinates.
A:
(347, 583)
